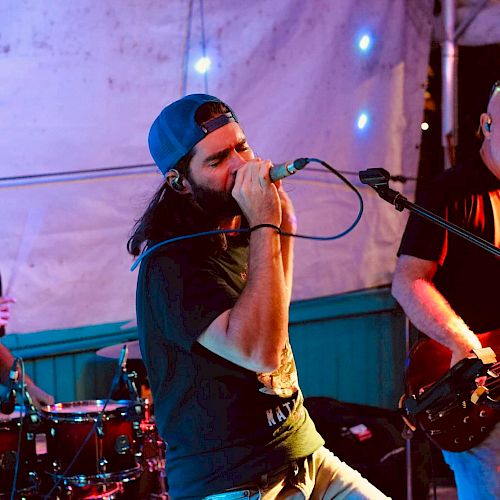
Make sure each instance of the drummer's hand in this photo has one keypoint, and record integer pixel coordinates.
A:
(39, 397)
(5, 309)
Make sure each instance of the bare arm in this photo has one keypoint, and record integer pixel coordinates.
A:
(427, 309)
(253, 333)
(6, 360)
(39, 396)
(288, 225)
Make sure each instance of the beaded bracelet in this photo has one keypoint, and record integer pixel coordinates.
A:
(258, 226)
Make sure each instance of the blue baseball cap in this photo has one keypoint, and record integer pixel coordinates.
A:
(175, 132)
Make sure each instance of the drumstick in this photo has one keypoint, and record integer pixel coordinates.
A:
(130, 324)
(31, 230)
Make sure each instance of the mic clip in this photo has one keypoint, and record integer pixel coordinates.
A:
(378, 179)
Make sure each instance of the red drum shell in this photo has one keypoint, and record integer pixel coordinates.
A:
(10, 426)
(111, 451)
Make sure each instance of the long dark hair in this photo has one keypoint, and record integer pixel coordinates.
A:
(171, 213)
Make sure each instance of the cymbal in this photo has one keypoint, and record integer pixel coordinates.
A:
(114, 351)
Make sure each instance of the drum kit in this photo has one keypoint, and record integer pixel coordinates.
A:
(94, 449)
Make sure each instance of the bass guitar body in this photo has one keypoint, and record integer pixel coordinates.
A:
(452, 420)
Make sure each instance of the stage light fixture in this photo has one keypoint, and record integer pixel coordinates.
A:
(365, 42)
(202, 65)
(362, 120)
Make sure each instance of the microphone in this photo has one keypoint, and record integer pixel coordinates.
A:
(282, 170)
(8, 400)
(122, 366)
(122, 362)
(125, 376)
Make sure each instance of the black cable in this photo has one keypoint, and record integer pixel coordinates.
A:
(356, 220)
(246, 230)
(396, 178)
(20, 437)
(81, 171)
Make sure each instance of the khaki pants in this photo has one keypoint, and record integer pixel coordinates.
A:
(322, 476)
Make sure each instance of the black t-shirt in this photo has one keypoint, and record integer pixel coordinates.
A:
(467, 276)
(224, 425)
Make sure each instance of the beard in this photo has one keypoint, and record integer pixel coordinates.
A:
(216, 204)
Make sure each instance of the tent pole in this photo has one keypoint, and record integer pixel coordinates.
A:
(449, 61)
(409, 469)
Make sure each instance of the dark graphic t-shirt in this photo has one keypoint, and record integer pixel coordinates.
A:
(468, 196)
(224, 425)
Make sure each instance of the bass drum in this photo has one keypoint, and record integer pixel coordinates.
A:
(14, 435)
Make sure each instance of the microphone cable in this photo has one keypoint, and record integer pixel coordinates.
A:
(246, 230)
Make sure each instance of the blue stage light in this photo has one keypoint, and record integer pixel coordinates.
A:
(362, 120)
(365, 42)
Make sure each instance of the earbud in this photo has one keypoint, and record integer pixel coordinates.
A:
(487, 125)
(176, 182)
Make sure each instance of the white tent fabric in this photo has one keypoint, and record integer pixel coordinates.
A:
(82, 82)
(477, 21)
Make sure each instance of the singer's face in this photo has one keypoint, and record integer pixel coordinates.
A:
(213, 169)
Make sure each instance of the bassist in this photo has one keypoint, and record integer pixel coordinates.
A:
(449, 288)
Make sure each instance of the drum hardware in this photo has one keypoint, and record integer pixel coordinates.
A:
(96, 449)
(19, 421)
(103, 443)
(108, 453)
(114, 351)
(154, 453)
(18, 474)
(108, 491)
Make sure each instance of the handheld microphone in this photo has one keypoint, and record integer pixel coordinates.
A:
(8, 400)
(282, 170)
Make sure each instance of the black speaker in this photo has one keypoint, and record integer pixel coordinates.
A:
(370, 440)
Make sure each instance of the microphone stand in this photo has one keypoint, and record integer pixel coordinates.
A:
(378, 179)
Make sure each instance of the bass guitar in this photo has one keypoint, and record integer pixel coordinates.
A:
(456, 407)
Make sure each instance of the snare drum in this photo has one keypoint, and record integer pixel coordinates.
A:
(10, 433)
(87, 445)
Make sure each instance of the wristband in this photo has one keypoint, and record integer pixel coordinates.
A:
(258, 226)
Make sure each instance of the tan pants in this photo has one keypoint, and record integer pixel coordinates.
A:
(323, 476)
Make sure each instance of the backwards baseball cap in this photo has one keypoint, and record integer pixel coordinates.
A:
(175, 132)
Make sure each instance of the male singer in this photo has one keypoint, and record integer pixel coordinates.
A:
(212, 317)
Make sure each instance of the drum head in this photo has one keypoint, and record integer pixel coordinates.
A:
(84, 410)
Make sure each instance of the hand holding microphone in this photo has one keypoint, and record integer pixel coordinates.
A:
(282, 170)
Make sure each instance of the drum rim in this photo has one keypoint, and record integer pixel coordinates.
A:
(98, 404)
(18, 413)
(96, 479)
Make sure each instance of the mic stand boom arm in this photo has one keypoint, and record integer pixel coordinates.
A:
(378, 179)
